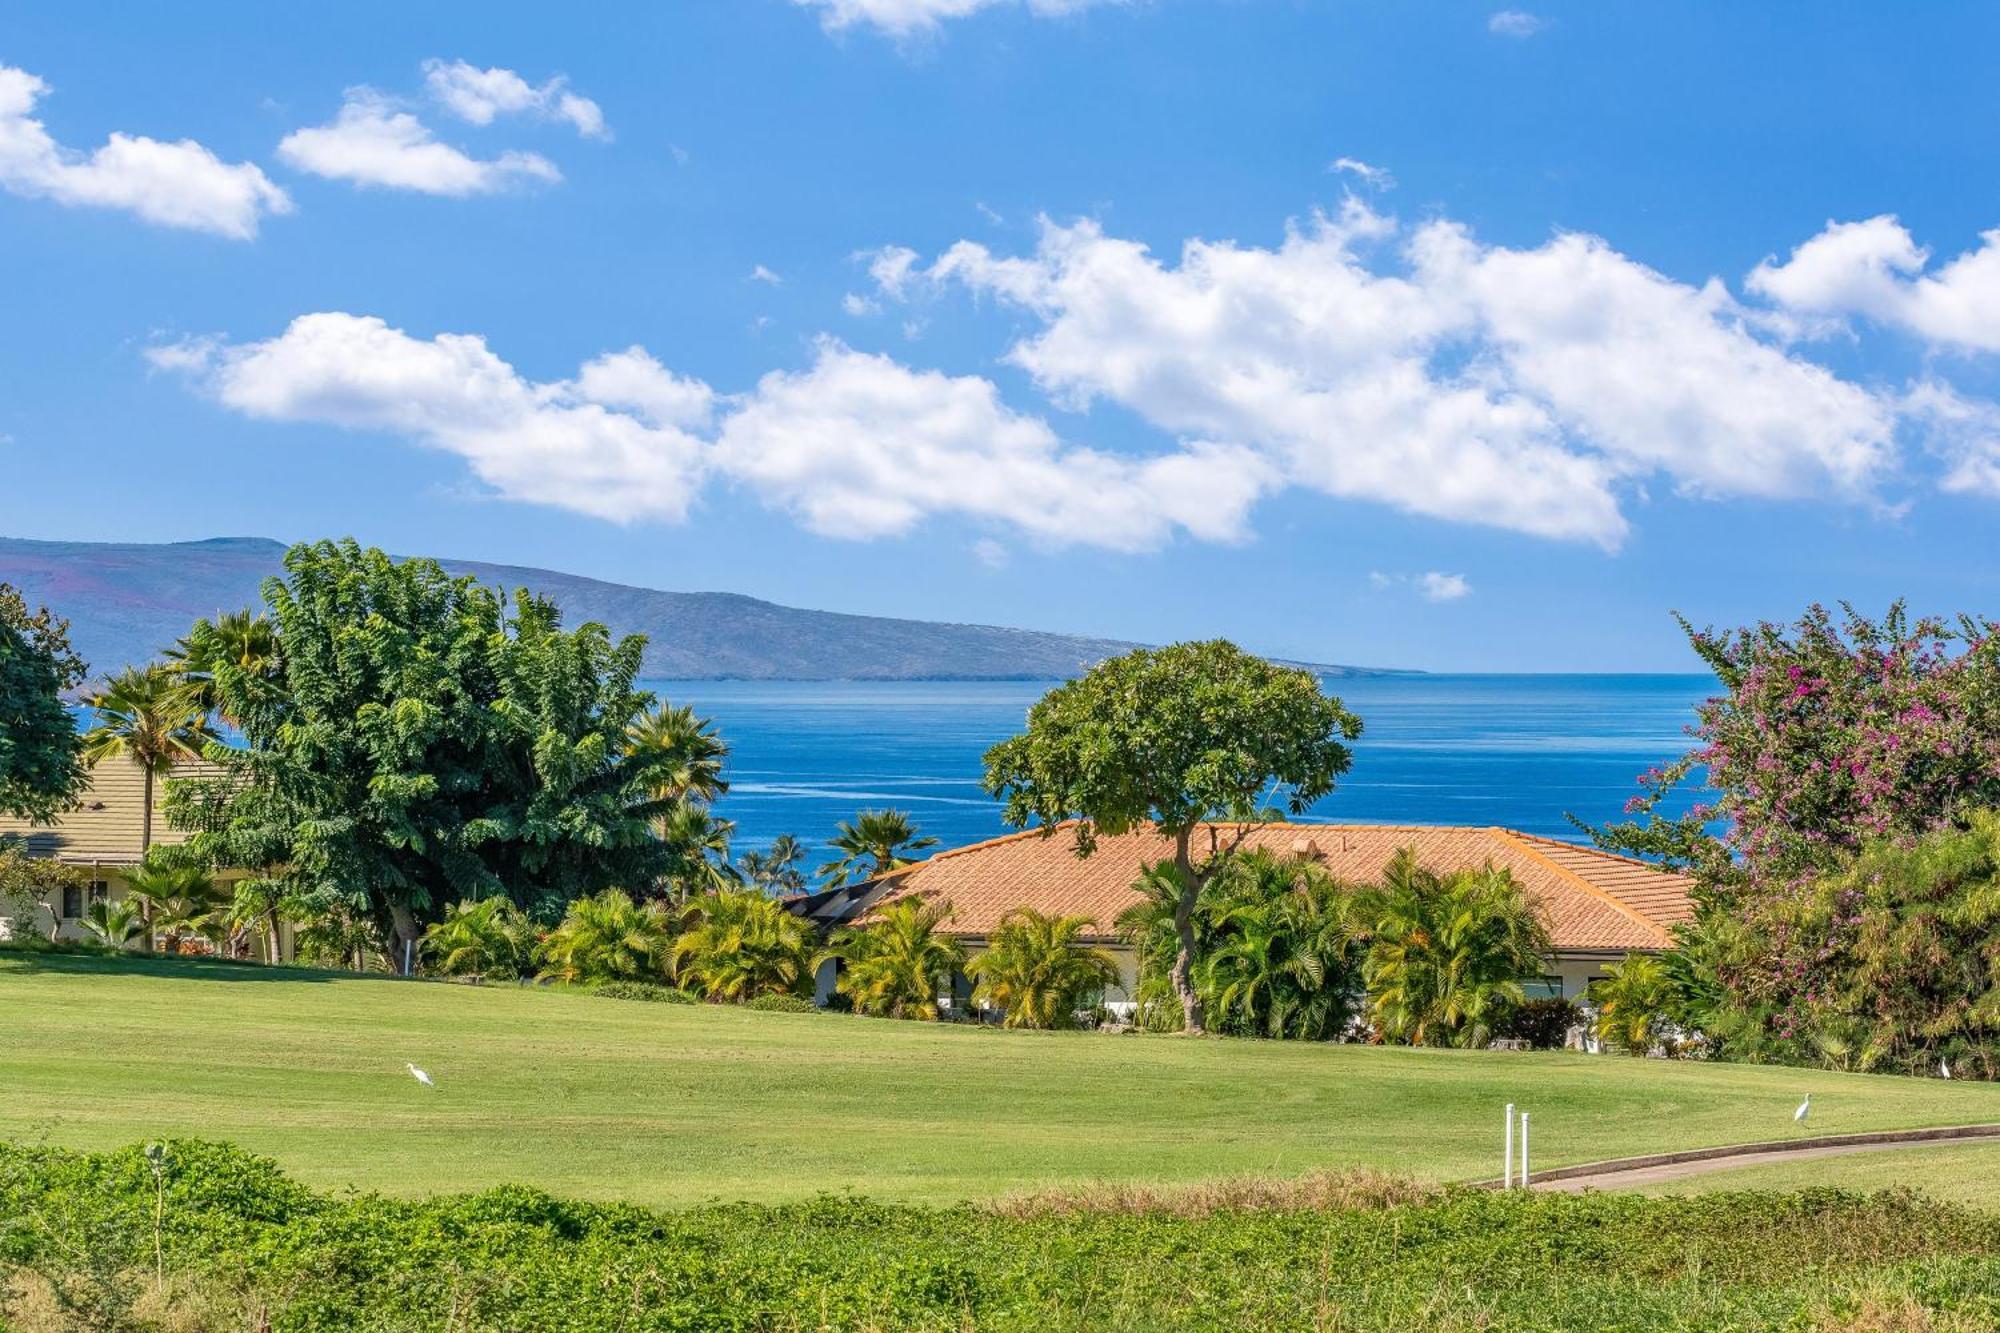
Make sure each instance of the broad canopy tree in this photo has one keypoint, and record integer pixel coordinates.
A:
(41, 755)
(416, 740)
(1190, 735)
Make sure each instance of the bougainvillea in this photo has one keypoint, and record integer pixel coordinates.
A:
(1829, 734)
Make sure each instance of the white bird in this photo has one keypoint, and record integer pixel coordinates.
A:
(1805, 1108)
(1944, 1070)
(420, 1076)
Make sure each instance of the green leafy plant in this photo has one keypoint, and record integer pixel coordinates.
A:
(736, 945)
(646, 991)
(1632, 1002)
(41, 755)
(487, 938)
(609, 937)
(872, 844)
(116, 924)
(179, 900)
(782, 1004)
(896, 965)
(1038, 970)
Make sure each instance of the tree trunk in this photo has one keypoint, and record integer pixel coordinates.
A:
(404, 942)
(145, 846)
(1183, 973)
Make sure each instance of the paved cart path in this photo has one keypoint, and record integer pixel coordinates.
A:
(1627, 1172)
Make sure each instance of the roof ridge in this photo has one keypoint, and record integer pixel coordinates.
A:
(1593, 849)
(1521, 840)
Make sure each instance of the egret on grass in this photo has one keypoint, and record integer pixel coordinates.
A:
(1944, 1070)
(1805, 1109)
(420, 1076)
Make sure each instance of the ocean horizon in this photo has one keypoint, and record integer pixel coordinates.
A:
(1524, 751)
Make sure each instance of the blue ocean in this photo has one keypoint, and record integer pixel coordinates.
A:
(1520, 751)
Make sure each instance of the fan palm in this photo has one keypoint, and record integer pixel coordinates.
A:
(116, 924)
(1446, 952)
(876, 842)
(178, 901)
(738, 945)
(486, 938)
(700, 843)
(240, 641)
(683, 752)
(776, 871)
(608, 937)
(1039, 971)
(896, 965)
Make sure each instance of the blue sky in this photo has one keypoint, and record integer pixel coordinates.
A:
(1035, 312)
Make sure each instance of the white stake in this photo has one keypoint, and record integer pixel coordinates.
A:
(1507, 1153)
(1524, 1150)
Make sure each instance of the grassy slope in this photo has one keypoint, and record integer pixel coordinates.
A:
(665, 1104)
(1961, 1173)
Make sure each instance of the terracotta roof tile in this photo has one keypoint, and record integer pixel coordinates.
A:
(1593, 900)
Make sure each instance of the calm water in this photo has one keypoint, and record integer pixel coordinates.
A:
(1512, 750)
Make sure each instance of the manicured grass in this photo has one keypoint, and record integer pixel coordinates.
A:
(666, 1104)
(1967, 1173)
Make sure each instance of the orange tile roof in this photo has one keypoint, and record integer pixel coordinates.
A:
(1594, 901)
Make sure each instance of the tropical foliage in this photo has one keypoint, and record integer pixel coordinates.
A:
(1632, 1001)
(1446, 951)
(41, 756)
(1183, 736)
(224, 659)
(736, 945)
(780, 869)
(609, 937)
(486, 938)
(874, 843)
(145, 716)
(897, 965)
(116, 924)
(180, 901)
(1038, 971)
(26, 880)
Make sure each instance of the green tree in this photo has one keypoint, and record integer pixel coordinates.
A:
(896, 965)
(698, 845)
(41, 755)
(488, 938)
(687, 753)
(876, 842)
(25, 881)
(241, 646)
(1446, 952)
(1632, 1000)
(778, 871)
(609, 937)
(735, 945)
(179, 900)
(1182, 736)
(422, 741)
(1039, 971)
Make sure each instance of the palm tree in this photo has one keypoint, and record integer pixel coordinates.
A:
(1630, 998)
(776, 871)
(240, 641)
(1279, 951)
(895, 965)
(738, 945)
(178, 900)
(876, 842)
(608, 937)
(701, 850)
(684, 753)
(1446, 953)
(116, 924)
(1038, 969)
(486, 938)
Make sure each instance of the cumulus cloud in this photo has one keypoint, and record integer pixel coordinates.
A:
(1514, 23)
(374, 142)
(856, 445)
(1963, 432)
(1877, 271)
(179, 184)
(1432, 585)
(914, 18)
(766, 276)
(1524, 389)
(478, 96)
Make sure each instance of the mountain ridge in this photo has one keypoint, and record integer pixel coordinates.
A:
(127, 600)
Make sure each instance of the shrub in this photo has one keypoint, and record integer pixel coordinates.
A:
(1543, 1024)
(642, 990)
(782, 1004)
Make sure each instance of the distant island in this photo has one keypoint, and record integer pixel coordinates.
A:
(127, 600)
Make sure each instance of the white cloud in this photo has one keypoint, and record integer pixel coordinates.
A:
(1374, 177)
(990, 553)
(765, 275)
(1524, 389)
(1432, 585)
(860, 445)
(1964, 432)
(477, 96)
(1514, 23)
(1876, 270)
(179, 184)
(372, 142)
(859, 306)
(912, 18)
(856, 445)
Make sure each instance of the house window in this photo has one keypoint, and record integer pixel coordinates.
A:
(1542, 988)
(72, 901)
(99, 891)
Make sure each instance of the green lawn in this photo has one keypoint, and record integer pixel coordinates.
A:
(1967, 1173)
(663, 1104)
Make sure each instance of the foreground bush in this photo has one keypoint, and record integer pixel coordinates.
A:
(241, 1246)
